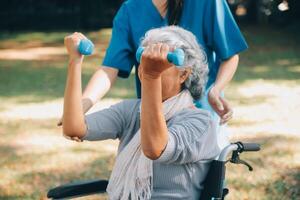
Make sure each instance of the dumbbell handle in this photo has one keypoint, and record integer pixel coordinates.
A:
(85, 47)
(176, 57)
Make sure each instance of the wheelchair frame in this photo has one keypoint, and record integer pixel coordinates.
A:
(214, 183)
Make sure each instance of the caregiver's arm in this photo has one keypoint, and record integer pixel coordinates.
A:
(98, 86)
(154, 131)
(225, 74)
(73, 116)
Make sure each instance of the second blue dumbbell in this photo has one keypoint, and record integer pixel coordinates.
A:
(86, 47)
(176, 57)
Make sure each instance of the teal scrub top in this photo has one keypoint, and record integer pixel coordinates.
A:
(210, 21)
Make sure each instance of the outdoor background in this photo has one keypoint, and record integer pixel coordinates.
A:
(34, 156)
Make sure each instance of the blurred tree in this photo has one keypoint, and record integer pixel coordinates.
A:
(279, 12)
(57, 14)
(95, 14)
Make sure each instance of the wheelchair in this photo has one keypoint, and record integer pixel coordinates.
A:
(213, 185)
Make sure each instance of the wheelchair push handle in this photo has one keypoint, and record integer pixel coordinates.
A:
(251, 146)
(176, 57)
(85, 47)
(238, 148)
(243, 147)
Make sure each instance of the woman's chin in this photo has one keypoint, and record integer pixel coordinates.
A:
(168, 96)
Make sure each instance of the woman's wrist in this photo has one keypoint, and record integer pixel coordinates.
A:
(151, 76)
(75, 61)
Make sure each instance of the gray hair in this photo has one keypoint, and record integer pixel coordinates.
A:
(195, 57)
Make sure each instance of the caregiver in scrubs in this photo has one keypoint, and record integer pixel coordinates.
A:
(210, 21)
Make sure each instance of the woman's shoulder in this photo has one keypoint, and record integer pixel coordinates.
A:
(193, 124)
(193, 116)
(130, 104)
(194, 112)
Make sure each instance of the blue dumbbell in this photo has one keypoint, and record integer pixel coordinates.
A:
(176, 57)
(86, 47)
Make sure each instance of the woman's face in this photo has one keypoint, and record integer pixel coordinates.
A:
(172, 80)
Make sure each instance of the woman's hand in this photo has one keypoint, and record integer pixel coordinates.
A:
(71, 43)
(154, 60)
(220, 105)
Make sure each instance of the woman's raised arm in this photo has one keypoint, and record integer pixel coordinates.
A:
(73, 115)
(154, 131)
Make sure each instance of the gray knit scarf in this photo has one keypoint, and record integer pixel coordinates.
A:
(132, 175)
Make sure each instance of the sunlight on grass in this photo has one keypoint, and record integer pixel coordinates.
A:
(277, 152)
(34, 159)
(261, 69)
(295, 69)
(21, 40)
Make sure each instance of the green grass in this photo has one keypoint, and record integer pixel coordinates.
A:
(34, 157)
(272, 55)
(37, 81)
(276, 175)
(31, 39)
(40, 80)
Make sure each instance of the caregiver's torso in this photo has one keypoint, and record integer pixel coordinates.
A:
(149, 17)
(193, 19)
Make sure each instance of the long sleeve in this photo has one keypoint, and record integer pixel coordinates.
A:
(120, 53)
(109, 123)
(191, 140)
(222, 33)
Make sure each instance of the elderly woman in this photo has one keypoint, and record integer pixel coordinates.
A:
(166, 143)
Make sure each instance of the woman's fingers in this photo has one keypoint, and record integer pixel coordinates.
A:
(59, 123)
(82, 36)
(157, 50)
(145, 52)
(151, 51)
(71, 43)
(164, 50)
(154, 59)
(77, 139)
(76, 37)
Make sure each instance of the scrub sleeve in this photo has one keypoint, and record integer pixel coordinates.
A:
(120, 53)
(224, 38)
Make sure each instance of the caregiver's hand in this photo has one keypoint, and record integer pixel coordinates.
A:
(154, 60)
(220, 105)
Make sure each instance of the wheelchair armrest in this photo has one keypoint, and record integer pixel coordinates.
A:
(77, 189)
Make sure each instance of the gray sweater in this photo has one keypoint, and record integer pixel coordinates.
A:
(179, 172)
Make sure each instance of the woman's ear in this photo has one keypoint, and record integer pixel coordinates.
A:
(185, 74)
